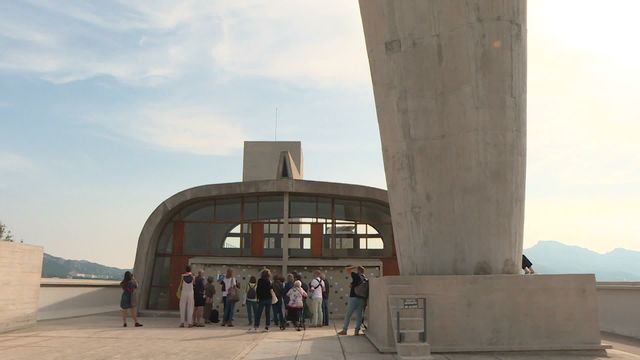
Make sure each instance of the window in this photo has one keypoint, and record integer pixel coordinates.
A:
(199, 212)
(250, 208)
(228, 209)
(271, 207)
(302, 206)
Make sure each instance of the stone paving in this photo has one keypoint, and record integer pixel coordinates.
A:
(102, 337)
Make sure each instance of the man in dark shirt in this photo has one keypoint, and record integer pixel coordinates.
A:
(356, 303)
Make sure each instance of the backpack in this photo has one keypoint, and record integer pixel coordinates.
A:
(215, 316)
(251, 293)
(362, 290)
(312, 289)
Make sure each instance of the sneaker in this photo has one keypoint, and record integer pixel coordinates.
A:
(181, 325)
(124, 325)
(266, 329)
(357, 333)
(138, 325)
(343, 332)
(298, 329)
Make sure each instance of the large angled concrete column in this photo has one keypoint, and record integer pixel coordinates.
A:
(449, 78)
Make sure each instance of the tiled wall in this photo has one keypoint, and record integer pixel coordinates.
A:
(338, 278)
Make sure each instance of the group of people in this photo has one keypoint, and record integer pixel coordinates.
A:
(290, 299)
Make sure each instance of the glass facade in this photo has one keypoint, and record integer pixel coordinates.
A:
(335, 227)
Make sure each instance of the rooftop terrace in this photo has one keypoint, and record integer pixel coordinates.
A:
(103, 337)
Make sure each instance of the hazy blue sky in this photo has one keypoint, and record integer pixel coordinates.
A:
(108, 108)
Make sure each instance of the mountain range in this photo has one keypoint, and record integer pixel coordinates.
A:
(548, 257)
(53, 266)
(553, 257)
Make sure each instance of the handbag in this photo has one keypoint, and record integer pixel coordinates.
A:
(179, 292)
(232, 293)
(274, 298)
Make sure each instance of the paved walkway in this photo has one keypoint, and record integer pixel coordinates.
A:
(102, 337)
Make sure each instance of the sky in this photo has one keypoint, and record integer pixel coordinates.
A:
(108, 108)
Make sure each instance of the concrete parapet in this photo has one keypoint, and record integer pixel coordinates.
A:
(20, 270)
(493, 312)
(618, 308)
(64, 298)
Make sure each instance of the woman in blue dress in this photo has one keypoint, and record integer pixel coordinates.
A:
(129, 286)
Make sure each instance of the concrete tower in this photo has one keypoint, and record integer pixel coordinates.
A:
(449, 78)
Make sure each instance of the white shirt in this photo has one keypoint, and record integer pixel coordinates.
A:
(315, 288)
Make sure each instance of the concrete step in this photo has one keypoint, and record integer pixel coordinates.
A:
(409, 337)
(411, 323)
(407, 313)
(413, 350)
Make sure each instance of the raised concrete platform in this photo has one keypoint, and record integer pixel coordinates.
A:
(102, 337)
(493, 312)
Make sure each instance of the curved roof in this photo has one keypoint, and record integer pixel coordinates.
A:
(147, 241)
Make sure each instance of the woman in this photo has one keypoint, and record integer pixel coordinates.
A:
(307, 312)
(186, 297)
(278, 289)
(296, 303)
(209, 292)
(251, 298)
(129, 286)
(263, 293)
(288, 286)
(228, 298)
(198, 299)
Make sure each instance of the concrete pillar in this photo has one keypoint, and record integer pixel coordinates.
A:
(449, 78)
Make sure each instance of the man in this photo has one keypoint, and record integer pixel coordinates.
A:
(325, 300)
(316, 288)
(356, 303)
(527, 266)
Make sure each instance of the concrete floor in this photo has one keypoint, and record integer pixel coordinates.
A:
(102, 337)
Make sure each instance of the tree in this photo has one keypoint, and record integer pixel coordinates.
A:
(5, 235)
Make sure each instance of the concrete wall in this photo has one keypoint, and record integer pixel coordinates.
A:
(494, 312)
(20, 270)
(449, 79)
(261, 159)
(63, 298)
(619, 307)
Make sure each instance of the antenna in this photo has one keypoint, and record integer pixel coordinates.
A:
(275, 133)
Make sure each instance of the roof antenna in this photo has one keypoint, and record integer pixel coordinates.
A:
(275, 133)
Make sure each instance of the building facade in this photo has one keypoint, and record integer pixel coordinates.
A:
(275, 220)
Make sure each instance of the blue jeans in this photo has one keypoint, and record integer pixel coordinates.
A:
(229, 308)
(355, 305)
(252, 307)
(325, 312)
(278, 316)
(266, 306)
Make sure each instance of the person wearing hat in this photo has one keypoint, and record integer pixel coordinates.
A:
(209, 291)
(356, 303)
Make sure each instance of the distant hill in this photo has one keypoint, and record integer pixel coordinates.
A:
(80, 269)
(553, 257)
